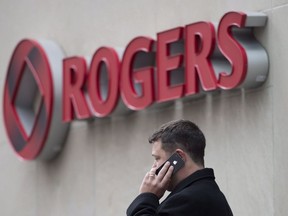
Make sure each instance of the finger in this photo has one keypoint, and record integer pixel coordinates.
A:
(166, 179)
(151, 174)
(164, 169)
(147, 175)
(154, 164)
(154, 168)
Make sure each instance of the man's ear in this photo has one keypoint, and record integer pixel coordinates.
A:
(182, 154)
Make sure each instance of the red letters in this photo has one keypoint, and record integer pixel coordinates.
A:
(200, 42)
(142, 80)
(109, 58)
(232, 50)
(167, 62)
(74, 73)
(142, 75)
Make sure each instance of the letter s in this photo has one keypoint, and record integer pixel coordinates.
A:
(232, 50)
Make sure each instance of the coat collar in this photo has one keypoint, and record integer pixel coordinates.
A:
(196, 176)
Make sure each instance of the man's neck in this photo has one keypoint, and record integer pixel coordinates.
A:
(185, 172)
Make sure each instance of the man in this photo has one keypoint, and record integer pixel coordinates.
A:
(194, 191)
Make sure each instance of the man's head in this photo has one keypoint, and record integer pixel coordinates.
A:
(181, 134)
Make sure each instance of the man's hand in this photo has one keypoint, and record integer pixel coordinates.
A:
(157, 184)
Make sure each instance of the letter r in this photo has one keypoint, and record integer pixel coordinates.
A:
(74, 103)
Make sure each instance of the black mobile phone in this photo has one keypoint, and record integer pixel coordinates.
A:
(175, 160)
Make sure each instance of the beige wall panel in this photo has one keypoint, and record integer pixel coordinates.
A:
(103, 162)
(279, 3)
(18, 191)
(65, 186)
(182, 12)
(279, 67)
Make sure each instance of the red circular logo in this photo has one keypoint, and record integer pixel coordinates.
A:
(29, 100)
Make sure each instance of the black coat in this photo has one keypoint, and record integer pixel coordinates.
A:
(197, 195)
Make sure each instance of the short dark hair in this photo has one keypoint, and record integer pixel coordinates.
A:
(182, 134)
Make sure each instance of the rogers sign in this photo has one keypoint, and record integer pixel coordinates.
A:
(44, 90)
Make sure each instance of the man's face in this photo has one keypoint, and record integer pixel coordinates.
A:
(160, 157)
(159, 154)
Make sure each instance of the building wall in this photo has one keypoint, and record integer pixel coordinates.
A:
(102, 165)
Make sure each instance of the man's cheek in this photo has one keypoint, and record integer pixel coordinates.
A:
(160, 163)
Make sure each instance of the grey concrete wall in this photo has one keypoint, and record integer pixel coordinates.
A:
(103, 162)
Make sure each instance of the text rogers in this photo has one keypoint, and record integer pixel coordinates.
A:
(235, 59)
